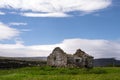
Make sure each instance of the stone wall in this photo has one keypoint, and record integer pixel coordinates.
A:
(86, 60)
(7, 63)
(59, 58)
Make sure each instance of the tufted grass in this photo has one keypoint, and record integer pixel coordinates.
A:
(50, 73)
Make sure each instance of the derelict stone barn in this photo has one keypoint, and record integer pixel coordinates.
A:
(59, 58)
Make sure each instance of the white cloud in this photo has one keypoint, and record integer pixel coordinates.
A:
(45, 14)
(17, 23)
(11, 46)
(57, 7)
(2, 13)
(6, 32)
(97, 48)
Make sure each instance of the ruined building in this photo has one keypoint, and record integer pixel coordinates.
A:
(59, 58)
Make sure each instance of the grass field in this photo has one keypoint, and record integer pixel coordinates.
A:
(49, 73)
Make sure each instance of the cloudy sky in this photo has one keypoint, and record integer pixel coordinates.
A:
(31, 28)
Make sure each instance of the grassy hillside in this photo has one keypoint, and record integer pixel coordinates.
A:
(49, 73)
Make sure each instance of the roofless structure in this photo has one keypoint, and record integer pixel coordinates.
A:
(59, 58)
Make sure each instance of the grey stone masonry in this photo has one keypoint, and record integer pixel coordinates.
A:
(58, 58)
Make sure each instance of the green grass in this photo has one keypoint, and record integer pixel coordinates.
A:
(49, 73)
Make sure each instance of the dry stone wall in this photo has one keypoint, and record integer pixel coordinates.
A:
(59, 58)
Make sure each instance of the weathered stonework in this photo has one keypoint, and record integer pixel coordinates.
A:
(59, 58)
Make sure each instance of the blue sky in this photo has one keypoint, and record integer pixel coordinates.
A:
(41, 27)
